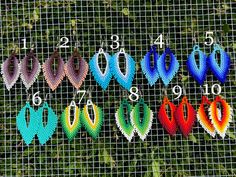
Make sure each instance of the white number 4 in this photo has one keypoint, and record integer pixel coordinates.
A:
(159, 41)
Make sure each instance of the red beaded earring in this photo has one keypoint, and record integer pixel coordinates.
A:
(185, 124)
(169, 124)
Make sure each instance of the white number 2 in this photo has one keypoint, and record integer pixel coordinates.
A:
(64, 41)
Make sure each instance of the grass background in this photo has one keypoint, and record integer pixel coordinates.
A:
(43, 23)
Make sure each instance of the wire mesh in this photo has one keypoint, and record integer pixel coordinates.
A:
(43, 23)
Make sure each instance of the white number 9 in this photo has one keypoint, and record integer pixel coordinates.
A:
(177, 90)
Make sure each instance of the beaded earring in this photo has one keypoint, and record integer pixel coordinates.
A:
(124, 124)
(54, 78)
(198, 73)
(29, 76)
(10, 77)
(141, 127)
(45, 132)
(125, 80)
(103, 79)
(167, 74)
(219, 70)
(185, 124)
(220, 117)
(76, 74)
(169, 124)
(151, 73)
(203, 117)
(27, 130)
(93, 127)
(71, 129)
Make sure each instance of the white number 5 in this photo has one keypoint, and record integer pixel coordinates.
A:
(209, 35)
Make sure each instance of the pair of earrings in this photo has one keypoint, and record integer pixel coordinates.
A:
(219, 70)
(128, 126)
(76, 74)
(11, 69)
(113, 68)
(177, 116)
(80, 118)
(218, 119)
(36, 124)
(159, 69)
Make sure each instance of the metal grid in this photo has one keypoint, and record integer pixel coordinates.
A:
(45, 22)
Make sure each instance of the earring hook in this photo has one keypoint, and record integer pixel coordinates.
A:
(151, 39)
(140, 91)
(77, 44)
(122, 42)
(28, 97)
(89, 101)
(194, 37)
(184, 90)
(46, 97)
(216, 39)
(168, 39)
(124, 93)
(164, 91)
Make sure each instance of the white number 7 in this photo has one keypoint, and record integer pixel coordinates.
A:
(83, 93)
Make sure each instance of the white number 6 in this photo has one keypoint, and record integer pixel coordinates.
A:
(36, 99)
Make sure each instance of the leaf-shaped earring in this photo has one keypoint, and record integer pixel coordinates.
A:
(71, 129)
(167, 74)
(150, 72)
(103, 79)
(198, 73)
(203, 118)
(10, 70)
(220, 117)
(185, 124)
(54, 78)
(219, 70)
(29, 131)
(76, 74)
(93, 127)
(169, 124)
(125, 80)
(141, 127)
(124, 124)
(45, 132)
(29, 76)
